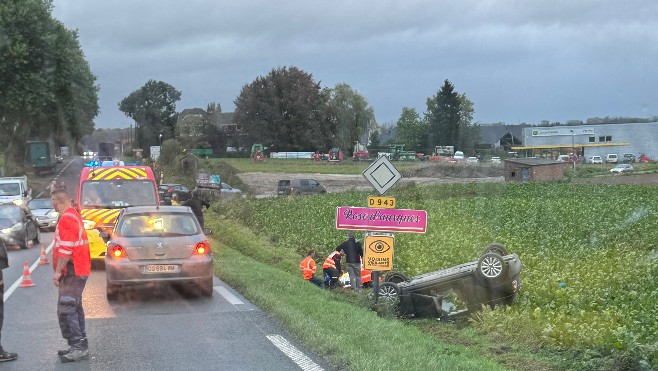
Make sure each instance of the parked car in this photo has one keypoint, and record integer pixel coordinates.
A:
(17, 226)
(158, 244)
(612, 158)
(495, 160)
(228, 189)
(622, 168)
(595, 160)
(44, 213)
(459, 155)
(629, 158)
(299, 187)
(472, 160)
(165, 192)
(644, 159)
(491, 280)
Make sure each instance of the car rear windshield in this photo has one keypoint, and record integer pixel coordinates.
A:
(158, 225)
(284, 183)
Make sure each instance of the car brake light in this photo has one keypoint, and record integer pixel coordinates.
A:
(201, 248)
(170, 189)
(116, 251)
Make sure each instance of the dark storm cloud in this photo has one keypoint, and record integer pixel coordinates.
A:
(518, 61)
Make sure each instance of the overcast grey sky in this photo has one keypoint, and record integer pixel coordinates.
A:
(517, 60)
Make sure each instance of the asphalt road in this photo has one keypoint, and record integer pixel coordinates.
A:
(161, 328)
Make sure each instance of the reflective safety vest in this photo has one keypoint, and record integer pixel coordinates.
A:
(71, 241)
(329, 262)
(308, 267)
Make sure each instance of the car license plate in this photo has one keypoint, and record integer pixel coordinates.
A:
(161, 268)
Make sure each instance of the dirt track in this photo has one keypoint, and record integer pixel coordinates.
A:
(265, 183)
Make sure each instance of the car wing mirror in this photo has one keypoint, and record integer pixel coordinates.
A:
(104, 234)
(207, 231)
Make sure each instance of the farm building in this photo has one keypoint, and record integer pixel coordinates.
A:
(533, 169)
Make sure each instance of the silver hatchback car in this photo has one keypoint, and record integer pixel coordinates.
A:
(152, 244)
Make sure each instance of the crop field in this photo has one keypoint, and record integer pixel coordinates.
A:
(590, 253)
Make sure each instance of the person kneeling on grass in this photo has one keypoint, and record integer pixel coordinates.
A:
(308, 269)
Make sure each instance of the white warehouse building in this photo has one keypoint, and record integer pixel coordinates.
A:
(591, 140)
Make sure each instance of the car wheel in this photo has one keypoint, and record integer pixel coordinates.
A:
(496, 247)
(206, 287)
(389, 291)
(111, 291)
(395, 277)
(492, 268)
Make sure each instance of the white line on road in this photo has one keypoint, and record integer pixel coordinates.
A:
(221, 290)
(20, 279)
(293, 353)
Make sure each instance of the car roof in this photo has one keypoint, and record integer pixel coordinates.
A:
(156, 209)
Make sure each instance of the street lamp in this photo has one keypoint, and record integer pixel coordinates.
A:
(573, 149)
(160, 139)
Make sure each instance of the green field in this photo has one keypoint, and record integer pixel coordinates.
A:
(590, 276)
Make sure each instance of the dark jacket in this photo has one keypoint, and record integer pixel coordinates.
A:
(4, 260)
(353, 250)
(197, 204)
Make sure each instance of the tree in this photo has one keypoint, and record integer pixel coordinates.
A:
(375, 140)
(351, 115)
(153, 107)
(214, 107)
(195, 131)
(411, 129)
(284, 110)
(47, 89)
(443, 116)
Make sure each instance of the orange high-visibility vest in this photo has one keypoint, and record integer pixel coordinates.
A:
(308, 267)
(71, 240)
(329, 261)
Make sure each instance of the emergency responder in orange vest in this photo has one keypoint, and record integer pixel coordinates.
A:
(72, 266)
(308, 269)
(331, 267)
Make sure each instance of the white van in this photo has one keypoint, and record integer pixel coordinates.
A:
(612, 158)
(459, 155)
(14, 190)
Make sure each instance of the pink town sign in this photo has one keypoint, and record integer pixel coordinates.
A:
(385, 220)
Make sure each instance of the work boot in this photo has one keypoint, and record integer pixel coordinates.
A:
(83, 344)
(6, 356)
(75, 355)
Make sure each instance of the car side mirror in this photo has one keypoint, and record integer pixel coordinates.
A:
(207, 231)
(104, 234)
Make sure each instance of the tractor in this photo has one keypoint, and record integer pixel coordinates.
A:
(257, 153)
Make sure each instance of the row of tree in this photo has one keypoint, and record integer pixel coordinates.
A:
(47, 89)
(286, 110)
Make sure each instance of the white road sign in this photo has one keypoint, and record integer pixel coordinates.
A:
(382, 174)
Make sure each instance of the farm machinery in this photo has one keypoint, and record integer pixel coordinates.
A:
(360, 152)
(257, 153)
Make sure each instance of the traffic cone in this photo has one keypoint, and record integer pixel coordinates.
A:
(43, 259)
(27, 279)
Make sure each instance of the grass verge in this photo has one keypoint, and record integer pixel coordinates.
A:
(339, 326)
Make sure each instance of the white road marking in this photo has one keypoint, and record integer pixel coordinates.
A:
(293, 353)
(221, 290)
(20, 279)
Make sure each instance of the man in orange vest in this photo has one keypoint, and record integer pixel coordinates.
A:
(72, 265)
(331, 267)
(308, 269)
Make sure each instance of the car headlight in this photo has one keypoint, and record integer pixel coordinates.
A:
(18, 202)
(6, 230)
(54, 214)
(89, 224)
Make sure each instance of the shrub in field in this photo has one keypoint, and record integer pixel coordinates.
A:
(590, 276)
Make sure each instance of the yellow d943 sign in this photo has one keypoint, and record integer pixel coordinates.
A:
(381, 202)
(378, 253)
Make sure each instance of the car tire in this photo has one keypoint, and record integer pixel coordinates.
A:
(111, 291)
(395, 277)
(492, 269)
(206, 287)
(389, 291)
(496, 247)
(25, 241)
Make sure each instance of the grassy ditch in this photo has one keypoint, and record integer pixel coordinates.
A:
(276, 165)
(589, 254)
(349, 336)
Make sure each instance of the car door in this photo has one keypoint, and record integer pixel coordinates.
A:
(304, 186)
